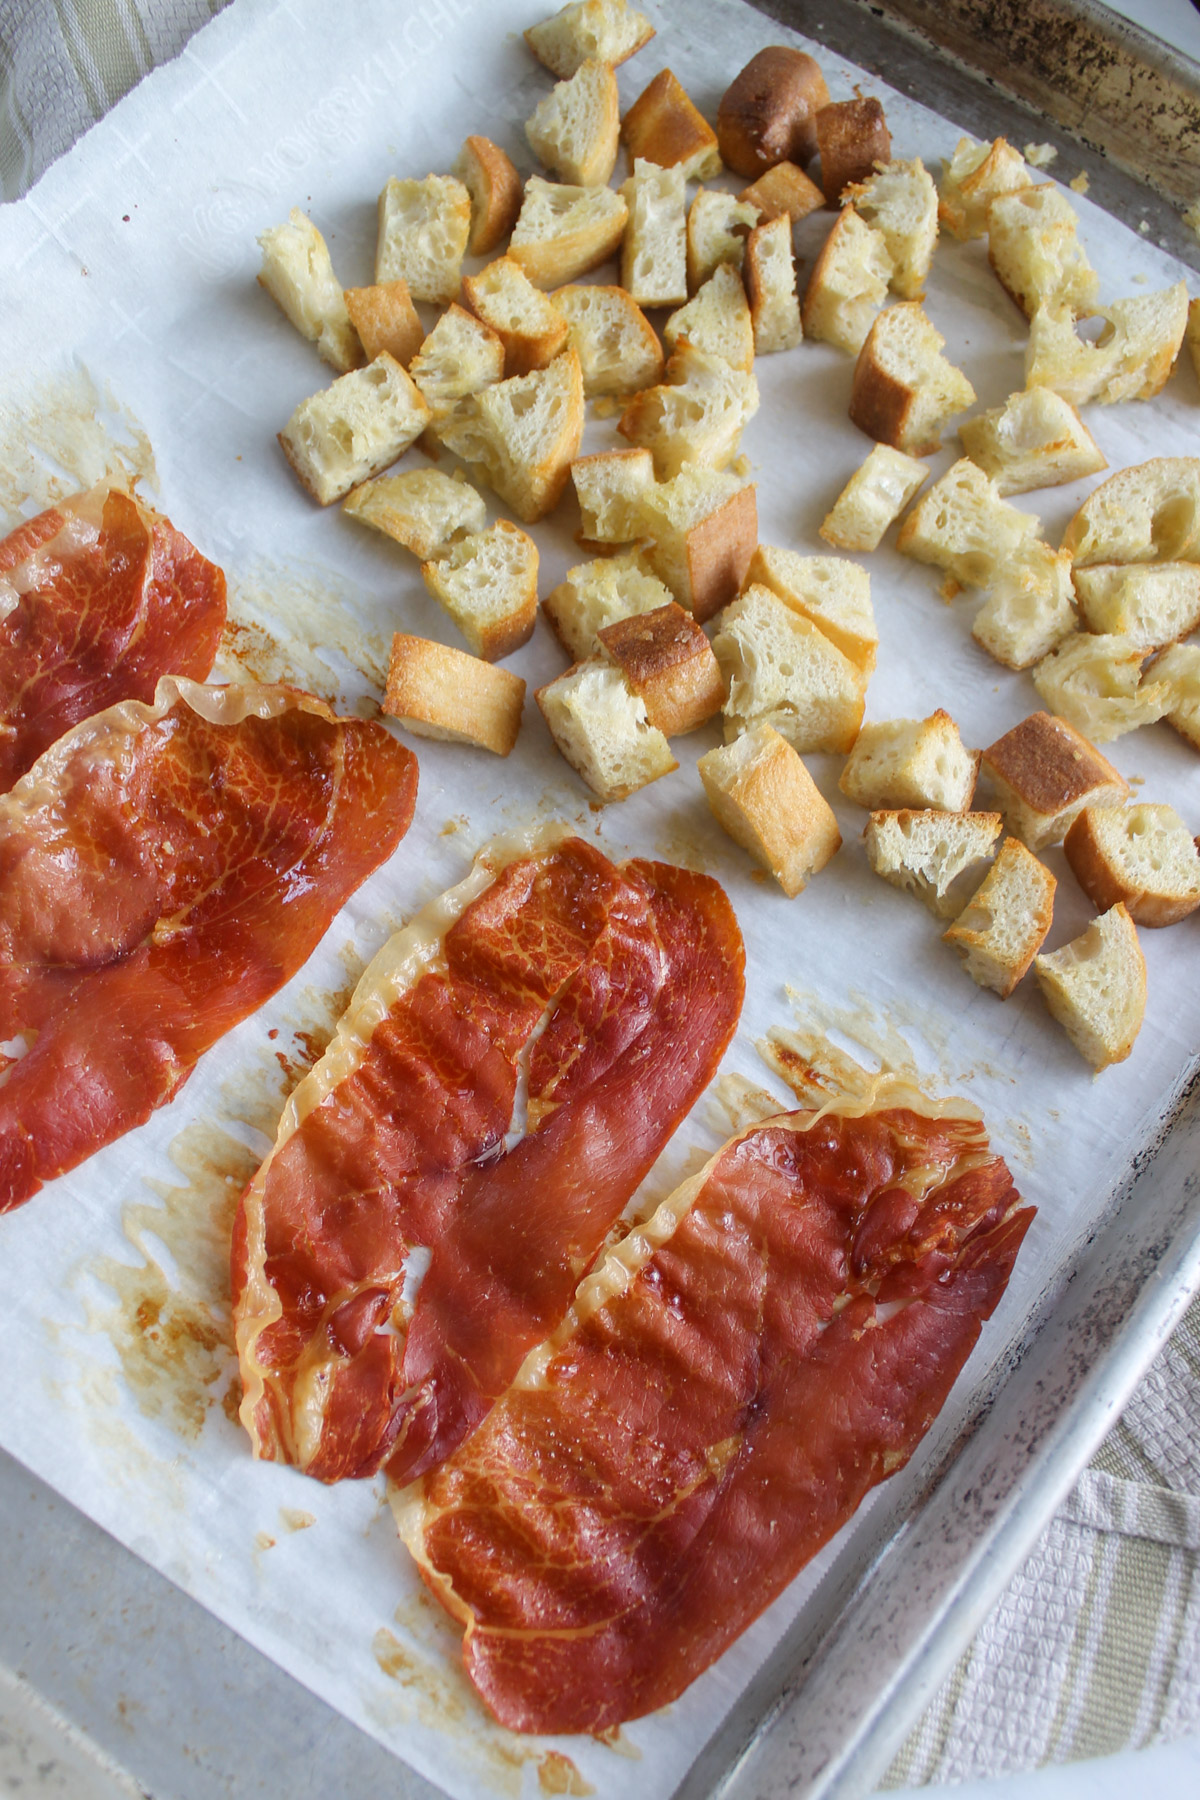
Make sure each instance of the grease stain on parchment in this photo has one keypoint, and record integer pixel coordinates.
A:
(63, 434)
(301, 624)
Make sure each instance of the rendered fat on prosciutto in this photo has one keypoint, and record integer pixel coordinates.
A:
(99, 597)
(731, 1382)
(509, 1068)
(164, 869)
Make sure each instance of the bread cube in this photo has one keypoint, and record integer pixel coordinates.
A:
(1130, 359)
(669, 663)
(385, 318)
(564, 230)
(1004, 924)
(765, 798)
(524, 434)
(1044, 773)
(848, 284)
(422, 509)
(487, 583)
(618, 348)
(1095, 682)
(1030, 608)
(354, 429)
(782, 671)
(601, 728)
(717, 225)
(608, 487)
(900, 201)
(973, 177)
(596, 594)
(716, 320)
(1151, 604)
(654, 253)
(531, 329)
(1035, 252)
(574, 129)
(423, 232)
(963, 526)
(1095, 987)
(608, 29)
(768, 112)
(905, 391)
(832, 594)
(696, 416)
(771, 287)
(783, 192)
(921, 764)
(662, 126)
(702, 526)
(490, 177)
(1143, 856)
(438, 692)
(876, 494)
(460, 356)
(1178, 669)
(1035, 440)
(297, 272)
(852, 136)
(931, 853)
(1147, 513)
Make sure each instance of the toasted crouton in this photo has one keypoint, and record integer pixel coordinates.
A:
(575, 128)
(1095, 987)
(783, 192)
(717, 226)
(422, 509)
(669, 663)
(900, 201)
(768, 112)
(298, 274)
(963, 526)
(716, 320)
(1143, 856)
(834, 595)
(852, 136)
(848, 284)
(596, 594)
(783, 671)
(386, 319)
(1151, 604)
(608, 487)
(460, 356)
(524, 433)
(1035, 252)
(531, 330)
(771, 287)
(1192, 335)
(438, 692)
(1095, 682)
(1030, 608)
(489, 176)
(876, 494)
(905, 392)
(1178, 669)
(973, 177)
(702, 526)
(1044, 773)
(1147, 513)
(1130, 360)
(765, 798)
(1004, 924)
(606, 29)
(601, 728)
(354, 428)
(662, 126)
(487, 582)
(1035, 440)
(654, 253)
(915, 763)
(423, 232)
(696, 416)
(619, 351)
(930, 853)
(564, 230)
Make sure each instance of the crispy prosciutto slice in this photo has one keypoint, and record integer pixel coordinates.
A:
(510, 1066)
(727, 1387)
(163, 869)
(99, 597)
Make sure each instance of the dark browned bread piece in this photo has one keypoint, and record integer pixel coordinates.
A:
(852, 136)
(768, 113)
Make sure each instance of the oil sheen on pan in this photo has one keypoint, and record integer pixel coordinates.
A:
(510, 1067)
(728, 1386)
(99, 597)
(164, 869)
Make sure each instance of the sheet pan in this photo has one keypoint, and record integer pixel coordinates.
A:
(132, 264)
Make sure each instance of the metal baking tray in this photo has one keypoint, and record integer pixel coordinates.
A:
(189, 1710)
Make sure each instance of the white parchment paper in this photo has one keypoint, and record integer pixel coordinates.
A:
(131, 302)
